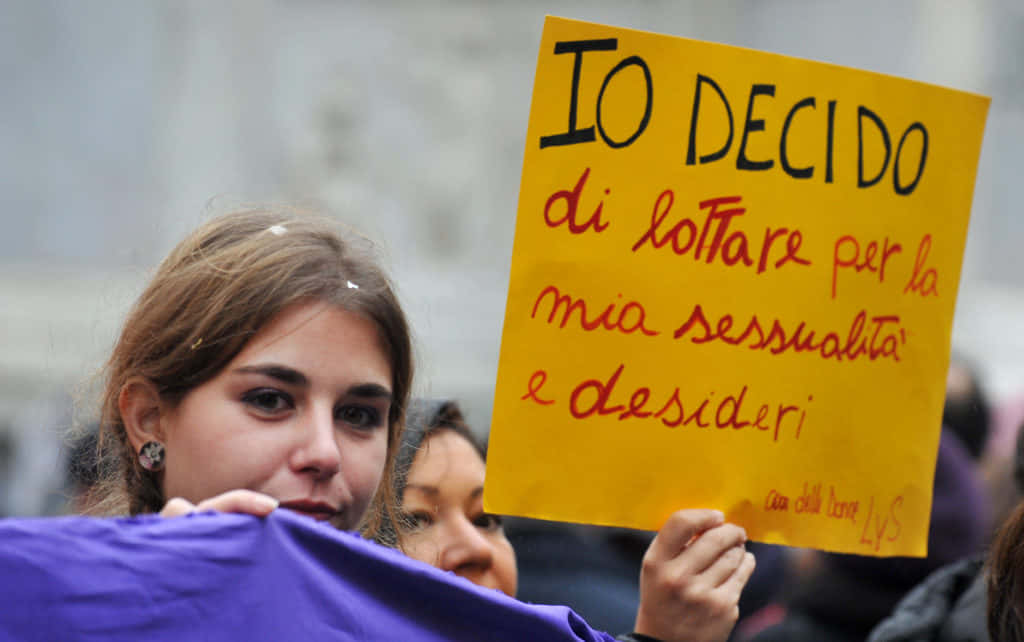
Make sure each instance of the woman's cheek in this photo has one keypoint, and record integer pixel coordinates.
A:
(421, 548)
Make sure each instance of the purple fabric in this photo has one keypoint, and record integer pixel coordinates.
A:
(235, 577)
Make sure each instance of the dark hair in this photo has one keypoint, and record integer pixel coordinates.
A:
(1018, 460)
(212, 293)
(1006, 581)
(424, 419)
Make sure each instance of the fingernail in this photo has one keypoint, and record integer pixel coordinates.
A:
(720, 516)
(270, 502)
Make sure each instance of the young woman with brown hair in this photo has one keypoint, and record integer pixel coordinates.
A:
(269, 354)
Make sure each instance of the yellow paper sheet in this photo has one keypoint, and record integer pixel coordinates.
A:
(732, 286)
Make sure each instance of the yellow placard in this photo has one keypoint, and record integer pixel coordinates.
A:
(732, 286)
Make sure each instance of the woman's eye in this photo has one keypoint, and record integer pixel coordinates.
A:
(488, 521)
(359, 416)
(268, 400)
(417, 520)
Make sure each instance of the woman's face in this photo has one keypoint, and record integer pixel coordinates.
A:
(444, 497)
(301, 414)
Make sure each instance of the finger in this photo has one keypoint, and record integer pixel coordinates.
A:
(177, 507)
(739, 579)
(240, 501)
(724, 567)
(709, 546)
(680, 528)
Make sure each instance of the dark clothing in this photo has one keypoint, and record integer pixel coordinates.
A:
(800, 627)
(595, 571)
(949, 606)
(834, 606)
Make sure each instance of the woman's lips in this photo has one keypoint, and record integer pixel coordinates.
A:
(320, 511)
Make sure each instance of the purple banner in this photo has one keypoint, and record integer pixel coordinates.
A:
(225, 577)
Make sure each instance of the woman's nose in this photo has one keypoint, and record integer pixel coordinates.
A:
(465, 549)
(317, 451)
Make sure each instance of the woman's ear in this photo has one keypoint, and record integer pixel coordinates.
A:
(141, 411)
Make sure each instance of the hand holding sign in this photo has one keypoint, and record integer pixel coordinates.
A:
(693, 574)
(729, 260)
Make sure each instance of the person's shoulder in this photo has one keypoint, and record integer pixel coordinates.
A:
(968, 618)
(926, 609)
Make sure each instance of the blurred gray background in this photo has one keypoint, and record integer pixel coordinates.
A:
(122, 120)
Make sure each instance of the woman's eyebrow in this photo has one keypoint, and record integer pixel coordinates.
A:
(427, 490)
(292, 376)
(279, 372)
(370, 390)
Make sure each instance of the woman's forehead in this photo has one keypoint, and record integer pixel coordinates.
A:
(320, 340)
(442, 454)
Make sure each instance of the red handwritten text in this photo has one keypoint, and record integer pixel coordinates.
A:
(841, 508)
(882, 340)
(878, 527)
(776, 501)
(809, 500)
(847, 254)
(595, 396)
(922, 281)
(537, 381)
(629, 319)
(572, 201)
(731, 248)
